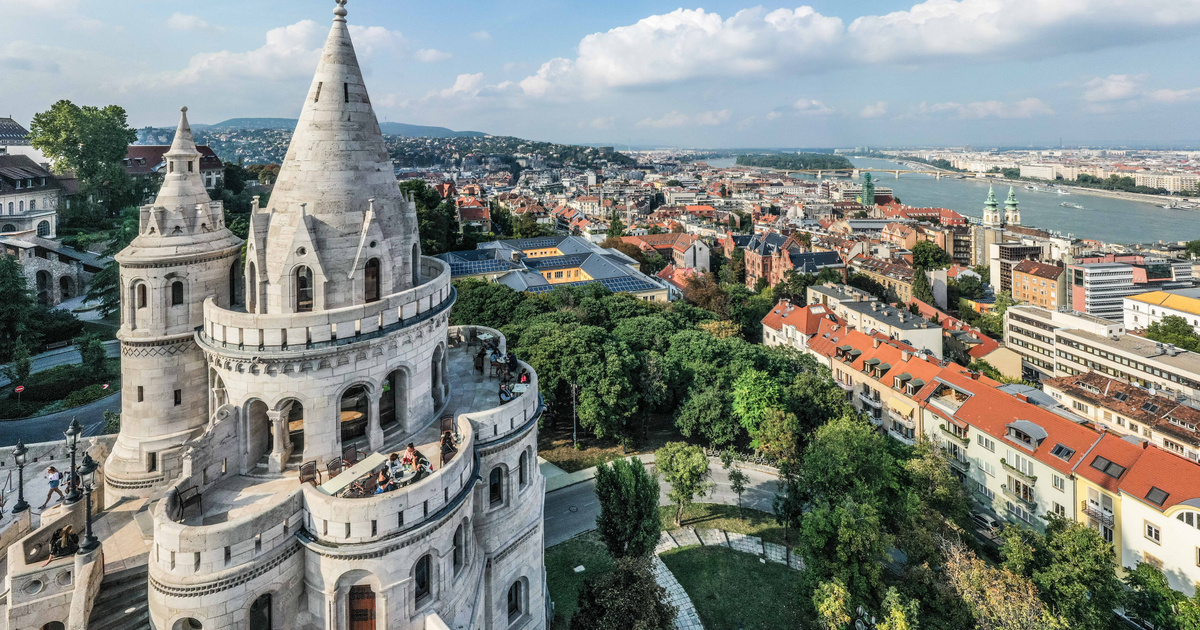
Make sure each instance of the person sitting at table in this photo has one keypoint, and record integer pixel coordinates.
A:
(448, 448)
(506, 394)
(511, 359)
(423, 470)
(410, 456)
(394, 466)
(524, 377)
(384, 482)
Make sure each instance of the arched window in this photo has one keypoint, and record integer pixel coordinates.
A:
(422, 579)
(460, 539)
(304, 289)
(141, 295)
(10, 207)
(522, 472)
(416, 265)
(260, 613)
(21, 206)
(496, 486)
(43, 228)
(32, 205)
(516, 597)
(176, 293)
(371, 280)
(8, 227)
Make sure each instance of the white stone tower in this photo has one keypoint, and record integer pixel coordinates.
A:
(991, 210)
(1012, 214)
(183, 254)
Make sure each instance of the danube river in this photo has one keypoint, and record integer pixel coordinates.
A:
(1102, 218)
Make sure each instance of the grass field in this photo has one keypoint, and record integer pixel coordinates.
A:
(563, 581)
(726, 517)
(557, 445)
(731, 589)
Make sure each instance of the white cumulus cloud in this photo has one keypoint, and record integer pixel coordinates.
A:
(874, 110)
(1025, 108)
(1175, 96)
(812, 107)
(1114, 87)
(676, 119)
(184, 22)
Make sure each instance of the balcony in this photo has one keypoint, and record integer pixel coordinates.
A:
(961, 465)
(962, 439)
(1029, 505)
(1022, 475)
(1094, 512)
(870, 399)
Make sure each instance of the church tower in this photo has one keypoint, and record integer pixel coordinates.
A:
(183, 254)
(991, 210)
(868, 191)
(1012, 215)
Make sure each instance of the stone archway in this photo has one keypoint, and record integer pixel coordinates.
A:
(354, 413)
(44, 284)
(393, 400)
(437, 371)
(258, 433)
(66, 287)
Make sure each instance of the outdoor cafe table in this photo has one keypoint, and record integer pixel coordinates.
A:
(348, 476)
(520, 388)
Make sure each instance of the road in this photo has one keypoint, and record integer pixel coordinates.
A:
(573, 510)
(65, 356)
(50, 427)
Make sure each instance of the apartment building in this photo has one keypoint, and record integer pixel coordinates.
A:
(1030, 332)
(1100, 284)
(1002, 257)
(1168, 421)
(872, 315)
(896, 278)
(1144, 309)
(790, 325)
(1039, 284)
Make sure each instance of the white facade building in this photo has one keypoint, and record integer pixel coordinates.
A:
(328, 345)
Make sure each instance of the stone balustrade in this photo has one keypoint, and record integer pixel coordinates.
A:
(498, 422)
(281, 332)
(336, 520)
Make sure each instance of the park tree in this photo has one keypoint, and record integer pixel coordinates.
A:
(921, 288)
(21, 365)
(754, 393)
(1151, 600)
(626, 598)
(93, 358)
(721, 329)
(831, 601)
(482, 303)
(969, 287)
(737, 478)
(685, 467)
(997, 598)
(616, 227)
(437, 219)
(16, 309)
(92, 142)
(897, 613)
(628, 522)
(105, 286)
(707, 411)
(930, 255)
(655, 229)
(706, 292)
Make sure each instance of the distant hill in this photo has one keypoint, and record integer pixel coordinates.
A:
(391, 128)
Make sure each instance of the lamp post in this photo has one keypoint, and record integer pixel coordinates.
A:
(19, 456)
(72, 435)
(87, 470)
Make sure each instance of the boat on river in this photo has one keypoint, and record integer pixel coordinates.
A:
(1068, 204)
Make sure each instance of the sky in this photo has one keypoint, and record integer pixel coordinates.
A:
(711, 73)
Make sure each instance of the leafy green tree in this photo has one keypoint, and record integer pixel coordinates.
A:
(93, 358)
(897, 613)
(1151, 600)
(754, 393)
(997, 598)
(629, 519)
(616, 227)
(1193, 248)
(437, 220)
(484, 303)
(16, 309)
(92, 142)
(832, 603)
(1175, 330)
(105, 286)
(626, 598)
(707, 412)
(654, 229)
(18, 370)
(921, 289)
(929, 255)
(685, 467)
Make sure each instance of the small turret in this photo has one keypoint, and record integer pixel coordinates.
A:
(1012, 215)
(991, 210)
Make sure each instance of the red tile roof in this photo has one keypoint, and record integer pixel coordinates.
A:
(1156, 468)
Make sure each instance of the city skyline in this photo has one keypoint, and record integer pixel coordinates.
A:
(716, 74)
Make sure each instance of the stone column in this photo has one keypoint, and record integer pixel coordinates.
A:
(374, 432)
(281, 447)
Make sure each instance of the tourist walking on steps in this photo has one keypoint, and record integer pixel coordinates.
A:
(55, 478)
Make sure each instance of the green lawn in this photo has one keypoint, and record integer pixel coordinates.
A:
(729, 518)
(563, 581)
(732, 589)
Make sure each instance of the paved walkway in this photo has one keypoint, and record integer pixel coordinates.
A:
(688, 618)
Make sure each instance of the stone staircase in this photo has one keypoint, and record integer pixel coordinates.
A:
(121, 603)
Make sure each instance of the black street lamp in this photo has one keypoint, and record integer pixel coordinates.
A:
(87, 470)
(19, 456)
(72, 434)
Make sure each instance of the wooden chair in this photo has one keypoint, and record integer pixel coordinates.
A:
(309, 473)
(335, 467)
(350, 455)
(190, 496)
(446, 423)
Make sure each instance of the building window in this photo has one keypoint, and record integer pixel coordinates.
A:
(141, 394)
(178, 397)
(176, 293)
(515, 595)
(141, 296)
(43, 228)
(422, 579)
(986, 442)
(522, 467)
(304, 289)
(460, 539)
(1059, 483)
(371, 281)
(1153, 533)
(1060, 510)
(496, 486)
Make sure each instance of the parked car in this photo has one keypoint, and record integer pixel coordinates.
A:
(986, 523)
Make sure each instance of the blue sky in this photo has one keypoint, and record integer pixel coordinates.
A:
(705, 74)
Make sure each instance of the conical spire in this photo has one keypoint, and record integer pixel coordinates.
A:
(183, 186)
(991, 198)
(336, 162)
(1011, 202)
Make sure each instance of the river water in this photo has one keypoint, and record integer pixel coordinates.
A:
(1102, 218)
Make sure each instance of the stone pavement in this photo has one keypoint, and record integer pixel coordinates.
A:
(687, 618)
(124, 545)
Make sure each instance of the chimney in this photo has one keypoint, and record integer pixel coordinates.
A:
(905, 355)
(875, 342)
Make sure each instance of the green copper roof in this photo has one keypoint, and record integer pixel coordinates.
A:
(1011, 202)
(991, 200)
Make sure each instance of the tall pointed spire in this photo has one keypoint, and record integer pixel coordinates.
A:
(991, 198)
(183, 186)
(1012, 214)
(337, 160)
(991, 209)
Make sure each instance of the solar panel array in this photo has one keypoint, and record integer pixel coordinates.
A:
(472, 267)
(554, 262)
(616, 285)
